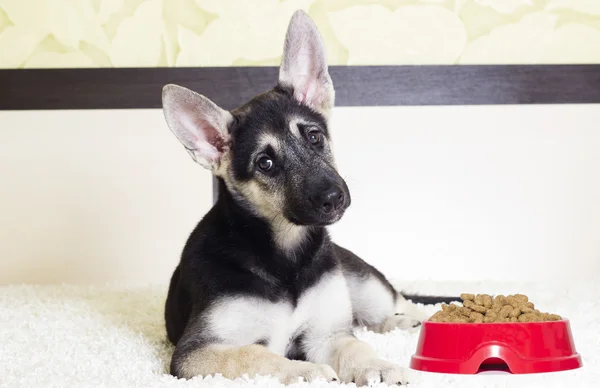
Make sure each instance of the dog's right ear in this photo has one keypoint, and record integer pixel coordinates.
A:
(199, 124)
(304, 66)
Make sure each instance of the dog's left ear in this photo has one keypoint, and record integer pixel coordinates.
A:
(200, 125)
(304, 66)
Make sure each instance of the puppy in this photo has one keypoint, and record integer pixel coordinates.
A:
(261, 288)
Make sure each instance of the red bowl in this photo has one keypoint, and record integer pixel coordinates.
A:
(468, 348)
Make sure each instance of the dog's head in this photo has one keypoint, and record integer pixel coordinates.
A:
(274, 152)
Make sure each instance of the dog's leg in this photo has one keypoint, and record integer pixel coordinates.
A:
(233, 362)
(375, 302)
(177, 308)
(406, 316)
(353, 360)
(329, 339)
(200, 352)
(374, 306)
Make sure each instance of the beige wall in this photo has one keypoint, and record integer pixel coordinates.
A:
(448, 193)
(134, 33)
(445, 193)
(94, 196)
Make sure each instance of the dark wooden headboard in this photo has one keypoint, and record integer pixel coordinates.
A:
(139, 88)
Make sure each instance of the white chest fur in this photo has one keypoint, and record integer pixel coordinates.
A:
(321, 310)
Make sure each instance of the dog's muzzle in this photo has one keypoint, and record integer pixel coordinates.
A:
(324, 203)
(329, 201)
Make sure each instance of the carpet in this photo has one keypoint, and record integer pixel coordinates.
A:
(114, 336)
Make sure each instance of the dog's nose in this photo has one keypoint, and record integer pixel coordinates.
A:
(331, 200)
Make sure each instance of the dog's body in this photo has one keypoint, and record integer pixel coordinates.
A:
(260, 288)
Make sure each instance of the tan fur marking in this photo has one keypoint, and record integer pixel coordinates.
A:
(223, 166)
(293, 127)
(287, 235)
(234, 362)
(266, 204)
(269, 140)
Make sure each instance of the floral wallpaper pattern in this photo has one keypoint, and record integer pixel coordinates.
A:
(151, 33)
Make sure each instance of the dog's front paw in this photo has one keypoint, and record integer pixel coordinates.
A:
(375, 371)
(295, 371)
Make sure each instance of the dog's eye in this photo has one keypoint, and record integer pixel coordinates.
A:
(315, 137)
(265, 163)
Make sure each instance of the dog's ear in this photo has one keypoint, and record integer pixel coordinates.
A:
(199, 124)
(304, 66)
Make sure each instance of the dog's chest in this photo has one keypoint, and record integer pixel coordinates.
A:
(321, 310)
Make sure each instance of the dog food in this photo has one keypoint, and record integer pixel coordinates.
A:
(482, 308)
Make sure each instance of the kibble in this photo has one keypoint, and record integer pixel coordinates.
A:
(483, 308)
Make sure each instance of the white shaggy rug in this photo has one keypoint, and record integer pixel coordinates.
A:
(114, 336)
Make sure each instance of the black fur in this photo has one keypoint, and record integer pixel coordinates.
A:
(270, 113)
(295, 352)
(426, 299)
(264, 240)
(265, 113)
(232, 251)
(352, 264)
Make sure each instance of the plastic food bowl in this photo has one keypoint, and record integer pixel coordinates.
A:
(470, 348)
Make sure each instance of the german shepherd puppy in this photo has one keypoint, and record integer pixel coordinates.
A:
(260, 288)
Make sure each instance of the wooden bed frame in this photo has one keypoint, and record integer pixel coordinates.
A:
(140, 88)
